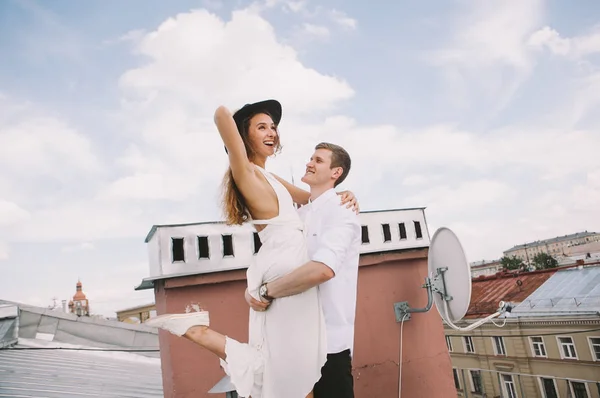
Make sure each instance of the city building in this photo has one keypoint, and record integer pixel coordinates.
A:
(205, 264)
(485, 268)
(589, 251)
(556, 247)
(137, 314)
(548, 347)
(79, 305)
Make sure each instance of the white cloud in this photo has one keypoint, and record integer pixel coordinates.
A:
(32, 143)
(84, 246)
(416, 180)
(81, 219)
(4, 251)
(469, 195)
(11, 213)
(487, 57)
(576, 47)
(317, 31)
(550, 38)
(342, 19)
(296, 6)
(153, 186)
(200, 60)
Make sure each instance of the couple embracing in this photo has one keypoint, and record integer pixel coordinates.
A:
(301, 285)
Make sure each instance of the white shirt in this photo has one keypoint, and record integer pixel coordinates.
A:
(334, 238)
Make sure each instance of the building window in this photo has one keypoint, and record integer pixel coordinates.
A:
(177, 252)
(476, 384)
(203, 250)
(595, 347)
(538, 347)
(508, 386)
(498, 343)
(418, 231)
(549, 389)
(402, 229)
(227, 245)
(456, 378)
(387, 235)
(257, 242)
(365, 234)
(579, 389)
(567, 348)
(449, 343)
(469, 346)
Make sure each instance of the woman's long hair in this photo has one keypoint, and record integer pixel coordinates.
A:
(234, 204)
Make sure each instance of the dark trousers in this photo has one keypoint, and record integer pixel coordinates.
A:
(336, 377)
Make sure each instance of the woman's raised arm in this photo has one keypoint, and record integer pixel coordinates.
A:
(238, 158)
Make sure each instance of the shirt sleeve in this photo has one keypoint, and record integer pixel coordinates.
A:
(338, 233)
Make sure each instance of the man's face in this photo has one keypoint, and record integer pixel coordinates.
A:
(319, 171)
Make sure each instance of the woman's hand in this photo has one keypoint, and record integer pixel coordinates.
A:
(349, 200)
(254, 303)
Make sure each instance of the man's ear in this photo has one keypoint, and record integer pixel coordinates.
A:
(337, 172)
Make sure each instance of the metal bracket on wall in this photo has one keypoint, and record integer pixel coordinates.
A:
(401, 311)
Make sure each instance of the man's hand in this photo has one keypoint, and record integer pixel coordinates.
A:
(349, 198)
(254, 303)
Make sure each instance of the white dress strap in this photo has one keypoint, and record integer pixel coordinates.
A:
(287, 213)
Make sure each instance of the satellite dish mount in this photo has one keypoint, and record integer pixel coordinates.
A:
(435, 285)
(448, 284)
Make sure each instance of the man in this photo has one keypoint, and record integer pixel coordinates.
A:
(333, 240)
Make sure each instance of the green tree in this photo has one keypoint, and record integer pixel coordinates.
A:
(544, 261)
(511, 262)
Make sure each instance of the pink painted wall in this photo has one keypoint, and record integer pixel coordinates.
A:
(190, 371)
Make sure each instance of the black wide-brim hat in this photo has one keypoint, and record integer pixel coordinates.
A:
(271, 107)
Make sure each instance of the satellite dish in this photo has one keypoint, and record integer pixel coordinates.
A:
(448, 283)
(447, 262)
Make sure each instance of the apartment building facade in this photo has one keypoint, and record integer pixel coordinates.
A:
(556, 247)
(539, 358)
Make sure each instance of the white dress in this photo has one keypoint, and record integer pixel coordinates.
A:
(287, 344)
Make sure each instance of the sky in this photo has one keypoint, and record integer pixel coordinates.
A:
(481, 111)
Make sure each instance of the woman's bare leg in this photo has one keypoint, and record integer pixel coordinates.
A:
(207, 338)
(310, 395)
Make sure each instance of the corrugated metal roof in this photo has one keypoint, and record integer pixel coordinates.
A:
(568, 291)
(59, 373)
(487, 292)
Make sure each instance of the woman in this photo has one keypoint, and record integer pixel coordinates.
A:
(287, 342)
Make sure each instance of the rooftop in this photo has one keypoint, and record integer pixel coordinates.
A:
(484, 263)
(574, 290)
(488, 291)
(35, 368)
(137, 307)
(553, 240)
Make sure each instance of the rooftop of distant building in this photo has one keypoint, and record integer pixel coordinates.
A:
(568, 290)
(557, 239)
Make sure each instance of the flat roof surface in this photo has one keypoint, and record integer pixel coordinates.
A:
(568, 292)
(51, 372)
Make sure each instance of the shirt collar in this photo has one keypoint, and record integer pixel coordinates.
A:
(322, 199)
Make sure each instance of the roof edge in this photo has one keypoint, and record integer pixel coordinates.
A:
(156, 226)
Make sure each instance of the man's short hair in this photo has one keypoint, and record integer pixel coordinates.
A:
(339, 158)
